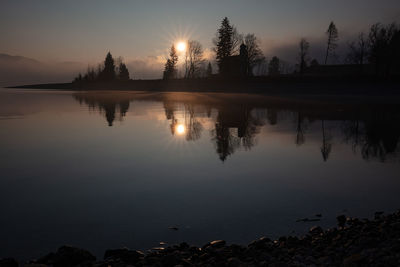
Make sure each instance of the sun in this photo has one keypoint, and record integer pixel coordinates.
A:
(180, 129)
(181, 46)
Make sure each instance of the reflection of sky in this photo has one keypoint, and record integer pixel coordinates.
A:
(83, 183)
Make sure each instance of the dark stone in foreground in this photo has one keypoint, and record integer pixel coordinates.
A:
(354, 243)
(123, 256)
(8, 262)
(68, 256)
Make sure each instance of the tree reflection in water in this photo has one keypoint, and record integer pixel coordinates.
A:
(372, 129)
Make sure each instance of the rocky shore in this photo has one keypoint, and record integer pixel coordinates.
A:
(353, 242)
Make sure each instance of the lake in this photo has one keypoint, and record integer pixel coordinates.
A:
(110, 169)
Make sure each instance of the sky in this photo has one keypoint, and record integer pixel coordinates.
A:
(83, 31)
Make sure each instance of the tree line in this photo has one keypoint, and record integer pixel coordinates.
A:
(380, 47)
(110, 70)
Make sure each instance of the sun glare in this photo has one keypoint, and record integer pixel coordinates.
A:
(181, 46)
(180, 129)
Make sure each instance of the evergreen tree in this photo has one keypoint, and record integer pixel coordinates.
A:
(225, 42)
(123, 74)
(173, 55)
(303, 55)
(209, 70)
(333, 38)
(108, 73)
(273, 66)
(170, 71)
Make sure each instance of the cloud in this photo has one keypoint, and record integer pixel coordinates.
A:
(17, 70)
(148, 68)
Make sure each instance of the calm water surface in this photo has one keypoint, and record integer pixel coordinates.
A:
(105, 169)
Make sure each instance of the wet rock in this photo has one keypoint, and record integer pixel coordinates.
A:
(378, 214)
(125, 255)
(361, 243)
(353, 260)
(68, 256)
(316, 230)
(234, 262)
(260, 243)
(341, 220)
(215, 244)
(8, 262)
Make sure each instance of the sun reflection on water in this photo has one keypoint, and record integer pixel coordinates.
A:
(180, 129)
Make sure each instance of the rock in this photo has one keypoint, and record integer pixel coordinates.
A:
(173, 228)
(341, 220)
(68, 256)
(260, 243)
(125, 255)
(184, 246)
(316, 230)
(234, 262)
(8, 262)
(353, 260)
(215, 244)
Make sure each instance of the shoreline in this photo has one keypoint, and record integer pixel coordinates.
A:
(255, 85)
(354, 242)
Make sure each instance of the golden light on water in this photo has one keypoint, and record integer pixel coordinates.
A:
(181, 46)
(180, 129)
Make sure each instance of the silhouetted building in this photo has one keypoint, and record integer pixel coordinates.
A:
(236, 66)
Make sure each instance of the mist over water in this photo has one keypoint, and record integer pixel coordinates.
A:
(107, 169)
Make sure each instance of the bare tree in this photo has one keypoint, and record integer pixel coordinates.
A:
(237, 40)
(384, 48)
(303, 54)
(333, 37)
(193, 59)
(254, 54)
(358, 50)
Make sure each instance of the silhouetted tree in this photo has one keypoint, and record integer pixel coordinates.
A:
(272, 116)
(108, 73)
(326, 145)
(314, 63)
(333, 37)
(209, 70)
(358, 51)
(226, 43)
(300, 139)
(170, 71)
(303, 54)
(261, 68)
(193, 59)
(384, 45)
(123, 73)
(254, 54)
(273, 66)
